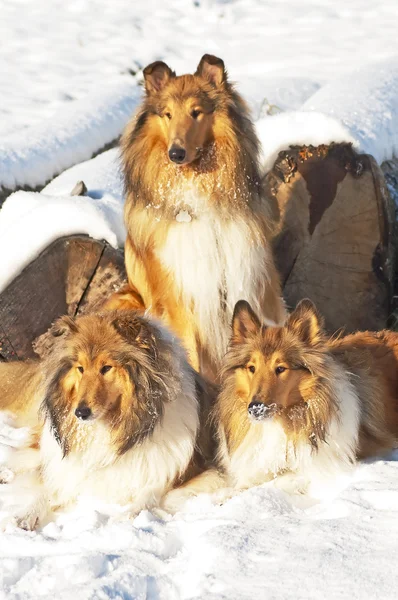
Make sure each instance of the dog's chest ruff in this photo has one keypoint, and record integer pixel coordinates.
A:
(215, 261)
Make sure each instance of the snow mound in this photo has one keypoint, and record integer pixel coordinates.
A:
(361, 108)
(37, 219)
(72, 135)
(365, 102)
(280, 131)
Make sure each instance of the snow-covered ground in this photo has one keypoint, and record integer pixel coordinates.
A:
(65, 83)
(259, 544)
(315, 71)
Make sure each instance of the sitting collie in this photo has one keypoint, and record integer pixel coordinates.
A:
(198, 224)
(300, 407)
(116, 410)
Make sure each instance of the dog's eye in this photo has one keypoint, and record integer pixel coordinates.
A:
(105, 369)
(195, 113)
(280, 370)
(251, 368)
(80, 369)
(168, 115)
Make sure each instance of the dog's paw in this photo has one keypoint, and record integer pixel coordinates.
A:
(222, 496)
(26, 522)
(291, 484)
(175, 500)
(6, 475)
(27, 519)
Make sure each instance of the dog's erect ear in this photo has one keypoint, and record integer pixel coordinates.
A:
(212, 69)
(156, 76)
(245, 323)
(133, 330)
(63, 326)
(306, 322)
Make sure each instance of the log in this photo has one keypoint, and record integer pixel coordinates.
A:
(335, 234)
(71, 276)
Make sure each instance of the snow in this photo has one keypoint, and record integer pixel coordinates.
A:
(74, 134)
(66, 87)
(37, 219)
(313, 71)
(261, 543)
(366, 103)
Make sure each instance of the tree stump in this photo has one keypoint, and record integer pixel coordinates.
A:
(335, 240)
(72, 276)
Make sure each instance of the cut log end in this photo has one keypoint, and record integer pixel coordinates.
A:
(336, 226)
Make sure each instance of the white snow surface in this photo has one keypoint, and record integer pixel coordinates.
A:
(259, 544)
(74, 134)
(65, 83)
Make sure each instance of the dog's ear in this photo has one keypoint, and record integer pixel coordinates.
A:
(63, 326)
(212, 69)
(245, 323)
(132, 328)
(306, 322)
(156, 76)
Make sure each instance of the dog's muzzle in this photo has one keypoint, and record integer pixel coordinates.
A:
(259, 411)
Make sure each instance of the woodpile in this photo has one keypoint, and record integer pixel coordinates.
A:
(334, 244)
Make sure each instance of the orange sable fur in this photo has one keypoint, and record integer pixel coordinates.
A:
(198, 230)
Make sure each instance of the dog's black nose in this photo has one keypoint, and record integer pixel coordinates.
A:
(259, 411)
(177, 154)
(83, 412)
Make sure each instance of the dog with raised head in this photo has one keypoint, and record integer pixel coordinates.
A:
(198, 224)
(300, 407)
(116, 413)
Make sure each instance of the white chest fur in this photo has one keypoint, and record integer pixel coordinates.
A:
(216, 262)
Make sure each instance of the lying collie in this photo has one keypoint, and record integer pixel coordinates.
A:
(116, 409)
(198, 224)
(301, 407)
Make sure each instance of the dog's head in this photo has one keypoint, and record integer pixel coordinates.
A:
(115, 368)
(279, 373)
(183, 108)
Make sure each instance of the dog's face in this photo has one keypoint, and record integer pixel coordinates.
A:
(277, 372)
(105, 368)
(96, 384)
(183, 107)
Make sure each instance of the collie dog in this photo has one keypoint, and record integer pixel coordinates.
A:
(300, 407)
(116, 412)
(198, 224)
